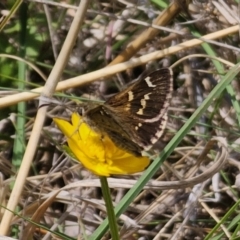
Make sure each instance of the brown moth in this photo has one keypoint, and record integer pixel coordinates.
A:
(135, 118)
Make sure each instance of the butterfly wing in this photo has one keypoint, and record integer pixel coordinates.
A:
(135, 118)
(141, 108)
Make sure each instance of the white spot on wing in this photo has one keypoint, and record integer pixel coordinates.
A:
(130, 96)
(149, 83)
(146, 96)
(137, 127)
(143, 103)
(127, 107)
(140, 111)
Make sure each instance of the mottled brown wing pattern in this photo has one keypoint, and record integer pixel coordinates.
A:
(136, 117)
(147, 98)
(100, 121)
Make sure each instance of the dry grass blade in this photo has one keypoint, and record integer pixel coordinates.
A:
(164, 18)
(108, 71)
(38, 214)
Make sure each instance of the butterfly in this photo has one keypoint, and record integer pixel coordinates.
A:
(135, 118)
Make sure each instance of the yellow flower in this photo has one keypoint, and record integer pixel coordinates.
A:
(96, 152)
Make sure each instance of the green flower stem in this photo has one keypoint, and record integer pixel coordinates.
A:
(110, 210)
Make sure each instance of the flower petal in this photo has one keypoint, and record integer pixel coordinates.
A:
(96, 151)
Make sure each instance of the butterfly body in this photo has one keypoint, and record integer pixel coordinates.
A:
(135, 118)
